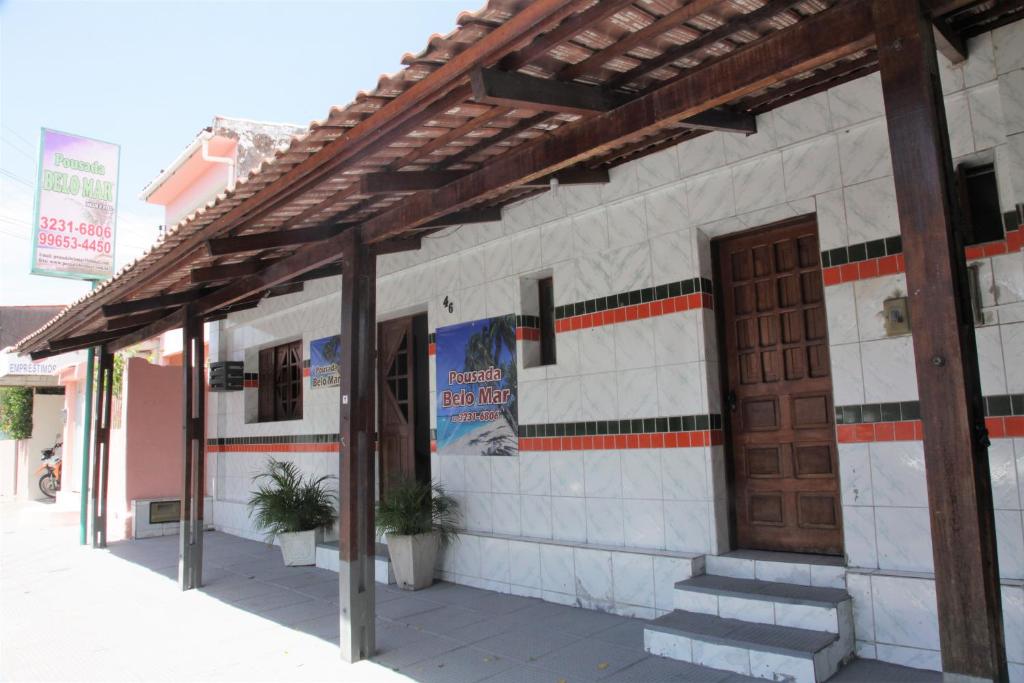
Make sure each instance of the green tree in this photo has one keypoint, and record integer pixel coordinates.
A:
(16, 412)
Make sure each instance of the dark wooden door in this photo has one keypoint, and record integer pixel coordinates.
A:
(778, 403)
(396, 406)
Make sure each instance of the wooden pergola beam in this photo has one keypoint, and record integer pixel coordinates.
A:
(137, 320)
(948, 42)
(572, 176)
(820, 39)
(405, 181)
(84, 341)
(467, 217)
(723, 119)
(153, 303)
(273, 239)
(226, 271)
(511, 89)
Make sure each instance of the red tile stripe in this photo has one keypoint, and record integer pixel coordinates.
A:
(891, 265)
(274, 448)
(913, 430)
(528, 334)
(619, 442)
(431, 349)
(622, 314)
(251, 384)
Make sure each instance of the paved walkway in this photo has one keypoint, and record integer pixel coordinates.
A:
(73, 614)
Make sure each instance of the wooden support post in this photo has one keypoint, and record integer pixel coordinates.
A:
(190, 553)
(356, 534)
(946, 357)
(101, 447)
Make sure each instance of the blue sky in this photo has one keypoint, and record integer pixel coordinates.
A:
(149, 75)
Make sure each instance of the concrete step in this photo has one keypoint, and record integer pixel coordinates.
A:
(769, 651)
(767, 602)
(327, 558)
(796, 568)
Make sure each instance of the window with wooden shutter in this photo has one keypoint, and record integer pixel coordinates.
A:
(280, 383)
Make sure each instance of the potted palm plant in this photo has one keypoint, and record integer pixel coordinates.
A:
(293, 508)
(417, 518)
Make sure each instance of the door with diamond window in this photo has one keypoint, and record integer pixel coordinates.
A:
(778, 407)
(395, 392)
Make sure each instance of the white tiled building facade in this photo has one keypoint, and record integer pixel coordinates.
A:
(614, 528)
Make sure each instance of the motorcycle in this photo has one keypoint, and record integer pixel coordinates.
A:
(49, 482)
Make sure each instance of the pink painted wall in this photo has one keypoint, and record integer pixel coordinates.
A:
(152, 426)
(203, 187)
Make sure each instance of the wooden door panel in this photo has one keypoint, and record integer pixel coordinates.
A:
(396, 407)
(781, 431)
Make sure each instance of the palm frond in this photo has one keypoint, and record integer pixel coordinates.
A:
(285, 501)
(412, 507)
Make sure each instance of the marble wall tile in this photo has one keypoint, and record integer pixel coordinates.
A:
(680, 389)
(847, 374)
(904, 538)
(477, 514)
(567, 473)
(859, 536)
(912, 657)
(687, 526)
(494, 559)
(856, 101)
(990, 360)
(1010, 543)
(633, 577)
(1018, 448)
(525, 251)
(567, 355)
(806, 118)
(579, 198)
(831, 213)
(958, 122)
(870, 295)
(504, 475)
(667, 571)
(626, 222)
(1013, 622)
(1008, 278)
(502, 296)
(980, 67)
(905, 611)
(604, 521)
(471, 267)
(855, 474)
(1003, 468)
(593, 574)
(758, 183)
(739, 147)
(596, 349)
(641, 474)
(841, 308)
(701, 154)
(1013, 347)
(684, 474)
(864, 152)
(537, 516)
(897, 472)
(986, 115)
(524, 564)
(556, 241)
(1008, 42)
(634, 344)
(629, 268)
(602, 474)
(506, 514)
(643, 523)
(889, 372)
(710, 196)
(564, 399)
(549, 206)
(1012, 96)
(677, 338)
(859, 588)
(599, 395)
(533, 402)
(638, 394)
(590, 231)
(673, 257)
(569, 519)
(622, 182)
(811, 168)
(951, 76)
(478, 474)
(657, 169)
(666, 209)
(557, 568)
(871, 210)
(453, 472)
(518, 216)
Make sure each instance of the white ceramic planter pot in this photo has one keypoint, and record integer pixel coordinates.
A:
(413, 559)
(298, 548)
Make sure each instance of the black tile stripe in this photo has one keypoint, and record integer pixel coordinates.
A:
(647, 425)
(1001, 405)
(637, 296)
(528, 321)
(862, 251)
(1004, 405)
(266, 440)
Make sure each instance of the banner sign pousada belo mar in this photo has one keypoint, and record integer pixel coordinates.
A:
(76, 207)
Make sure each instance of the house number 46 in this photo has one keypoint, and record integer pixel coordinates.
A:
(448, 304)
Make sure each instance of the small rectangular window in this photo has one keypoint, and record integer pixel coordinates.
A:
(280, 383)
(979, 203)
(546, 301)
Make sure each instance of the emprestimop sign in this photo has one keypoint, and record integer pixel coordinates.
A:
(477, 392)
(76, 207)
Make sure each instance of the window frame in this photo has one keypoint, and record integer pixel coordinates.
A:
(280, 371)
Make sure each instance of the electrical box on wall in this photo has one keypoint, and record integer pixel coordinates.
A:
(227, 376)
(897, 316)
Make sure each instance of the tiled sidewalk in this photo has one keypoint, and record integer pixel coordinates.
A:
(70, 613)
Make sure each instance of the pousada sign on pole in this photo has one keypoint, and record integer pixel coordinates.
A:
(76, 207)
